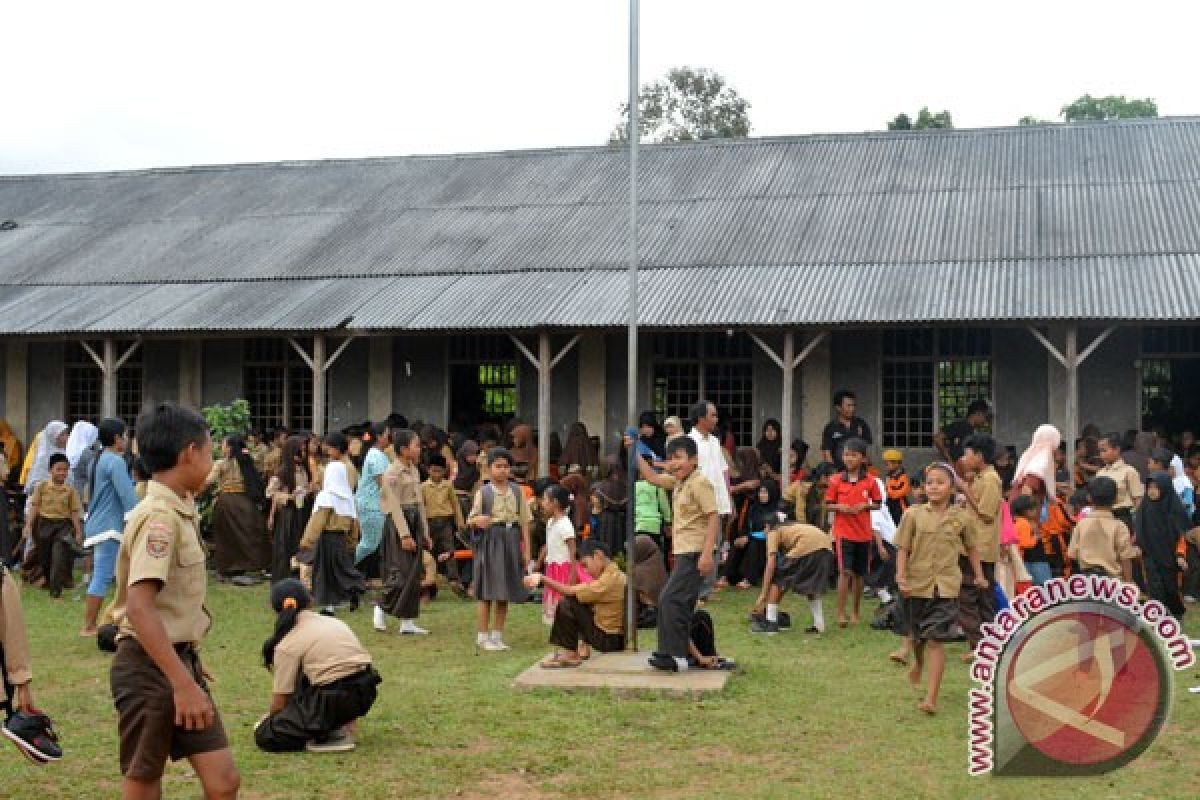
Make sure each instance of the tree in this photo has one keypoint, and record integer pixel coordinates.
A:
(926, 119)
(1031, 120)
(689, 104)
(1114, 106)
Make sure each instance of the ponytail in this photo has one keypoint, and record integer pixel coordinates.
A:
(288, 598)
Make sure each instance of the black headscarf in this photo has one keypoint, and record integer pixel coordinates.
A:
(468, 473)
(770, 451)
(762, 513)
(656, 441)
(1160, 523)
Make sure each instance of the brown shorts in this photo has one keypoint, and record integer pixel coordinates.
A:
(932, 619)
(146, 713)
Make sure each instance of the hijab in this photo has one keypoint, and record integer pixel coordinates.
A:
(83, 435)
(581, 512)
(762, 513)
(578, 449)
(10, 444)
(771, 451)
(523, 449)
(1139, 456)
(656, 441)
(613, 489)
(40, 471)
(1038, 459)
(335, 493)
(468, 474)
(1160, 523)
(748, 465)
(649, 574)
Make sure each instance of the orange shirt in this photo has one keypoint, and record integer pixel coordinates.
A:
(1025, 535)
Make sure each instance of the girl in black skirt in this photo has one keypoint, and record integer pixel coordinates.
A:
(799, 559)
(290, 506)
(405, 536)
(329, 540)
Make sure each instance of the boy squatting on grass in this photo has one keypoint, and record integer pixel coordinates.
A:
(928, 543)
(158, 684)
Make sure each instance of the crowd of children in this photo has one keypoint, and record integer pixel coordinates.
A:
(386, 513)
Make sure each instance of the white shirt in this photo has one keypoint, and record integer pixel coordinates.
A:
(557, 533)
(881, 518)
(712, 466)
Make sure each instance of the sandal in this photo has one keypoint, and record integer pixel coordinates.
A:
(743, 585)
(898, 658)
(558, 661)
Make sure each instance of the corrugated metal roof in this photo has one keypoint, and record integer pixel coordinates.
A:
(1014, 223)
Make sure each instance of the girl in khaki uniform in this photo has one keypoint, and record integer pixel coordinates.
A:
(502, 554)
(405, 536)
(329, 540)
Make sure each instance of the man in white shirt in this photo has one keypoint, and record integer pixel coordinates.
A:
(711, 463)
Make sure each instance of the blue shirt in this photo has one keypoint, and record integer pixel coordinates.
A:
(367, 494)
(113, 498)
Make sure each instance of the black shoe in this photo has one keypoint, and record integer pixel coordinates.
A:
(727, 664)
(353, 603)
(764, 625)
(785, 621)
(664, 662)
(34, 735)
(812, 629)
(56, 593)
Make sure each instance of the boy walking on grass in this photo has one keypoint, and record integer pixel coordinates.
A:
(158, 684)
(929, 541)
(1101, 544)
(852, 495)
(54, 524)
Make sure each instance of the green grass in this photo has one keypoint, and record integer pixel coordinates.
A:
(827, 717)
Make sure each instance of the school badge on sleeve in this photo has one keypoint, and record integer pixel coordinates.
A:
(158, 539)
(1075, 679)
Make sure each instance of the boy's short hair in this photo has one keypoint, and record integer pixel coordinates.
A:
(109, 429)
(685, 443)
(978, 407)
(499, 454)
(589, 546)
(1079, 498)
(437, 460)
(1162, 455)
(165, 431)
(1103, 491)
(58, 458)
(1113, 440)
(698, 411)
(1022, 505)
(337, 441)
(855, 445)
(842, 394)
(982, 444)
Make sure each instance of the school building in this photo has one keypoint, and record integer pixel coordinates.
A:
(1054, 270)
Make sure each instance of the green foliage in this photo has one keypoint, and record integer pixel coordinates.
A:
(689, 104)
(1031, 120)
(1113, 106)
(230, 420)
(926, 120)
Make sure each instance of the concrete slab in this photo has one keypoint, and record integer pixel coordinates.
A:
(622, 672)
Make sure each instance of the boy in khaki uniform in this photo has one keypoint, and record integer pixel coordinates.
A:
(158, 685)
(1126, 479)
(54, 525)
(694, 535)
(445, 516)
(1101, 543)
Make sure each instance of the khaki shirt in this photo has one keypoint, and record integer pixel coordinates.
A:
(13, 637)
(323, 647)
(507, 508)
(227, 476)
(1101, 540)
(692, 501)
(56, 502)
(351, 472)
(323, 519)
(162, 543)
(606, 596)
(401, 486)
(797, 540)
(278, 494)
(271, 460)
(988, 493)
(441, 501)
(1129, 484)
(934, 542)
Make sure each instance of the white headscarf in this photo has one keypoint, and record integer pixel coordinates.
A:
(83, 436)
(40, 471)
(1038, 459)
(1180, 480)
(335, 492)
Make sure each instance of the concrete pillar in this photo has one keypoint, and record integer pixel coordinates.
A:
(16, 388)
(545, 379)
(379, 378)
(1056, 382)
(191, 371)
(591, 384)
(816, 395)
(319, 375)
(785, 413)
(108, 379)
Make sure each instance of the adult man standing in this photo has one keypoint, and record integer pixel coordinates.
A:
(842, 428)
(950, 441)
(711, 463)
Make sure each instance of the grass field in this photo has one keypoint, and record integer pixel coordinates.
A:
(808, 717)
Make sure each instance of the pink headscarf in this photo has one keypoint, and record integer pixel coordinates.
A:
(1038, 458)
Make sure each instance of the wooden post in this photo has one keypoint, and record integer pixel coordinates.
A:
(108, 379)
(545, 374)
(1072, 416)
(785, 419)
(318, 373)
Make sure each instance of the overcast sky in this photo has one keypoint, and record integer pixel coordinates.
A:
(117, 85)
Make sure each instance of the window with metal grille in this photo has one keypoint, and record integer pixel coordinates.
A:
(83, 383)
(689, 367)
(483, 382)
(278, 385)
(498, 382)
(1156, 387)
(930, 378)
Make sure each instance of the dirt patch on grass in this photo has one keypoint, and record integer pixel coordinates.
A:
(506, 784)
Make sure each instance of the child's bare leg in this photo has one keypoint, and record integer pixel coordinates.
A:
(482, 611)
(132, 789)
(217, 773)
(937, 667)
(501, 616)
(901, 656)
(91, 613)
(858, 594)
(914, 673)
(843, 586)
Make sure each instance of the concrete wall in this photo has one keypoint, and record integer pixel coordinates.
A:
(1109, 381)
(4, 384)
(221, 373)
(615, 401)
(855, 365)
(419, 377)
(46, 383)
(1020, 386)
(348, 395)
(160, 371)
(564, 389)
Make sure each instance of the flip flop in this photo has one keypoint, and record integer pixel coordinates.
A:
(555, 662)
(899, 659)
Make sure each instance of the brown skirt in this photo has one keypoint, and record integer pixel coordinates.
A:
(239, 535)
(402, 569)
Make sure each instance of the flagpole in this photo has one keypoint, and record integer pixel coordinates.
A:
(632, 375)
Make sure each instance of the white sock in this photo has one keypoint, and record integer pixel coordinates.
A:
(772, 612)
(818, 612)
(407, 625)
(481, 638)
(885, 595)
(496, 636)
(681, 664)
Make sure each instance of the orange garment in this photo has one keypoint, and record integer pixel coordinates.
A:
(899, 489)
(1026, 537)
(1057, 527)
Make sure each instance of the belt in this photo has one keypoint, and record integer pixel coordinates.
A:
(506, 525)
